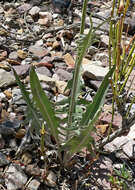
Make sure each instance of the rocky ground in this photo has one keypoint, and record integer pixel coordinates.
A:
(34, 32)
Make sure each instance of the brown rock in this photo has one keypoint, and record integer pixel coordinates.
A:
(69, 60)
(56, 45)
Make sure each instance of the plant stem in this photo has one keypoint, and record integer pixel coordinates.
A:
(76, 72)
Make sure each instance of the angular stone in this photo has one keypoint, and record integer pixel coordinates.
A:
(38, 51)
(116, 144)
(94, 71)
(15, 177)
(46, 79)
(63, 75)
(22, 69)
(45, 18)
(34, 11)
(44, 71)
(6, 78)
(69, 60)
(34, 184)
(13, 55)
(61, 85)
(23, 8)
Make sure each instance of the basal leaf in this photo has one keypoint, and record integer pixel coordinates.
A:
(43, 104)
(25, 95)
(78, 142)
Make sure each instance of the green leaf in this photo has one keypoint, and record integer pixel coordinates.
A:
(43, 104)
(98, 99)
(25, 95)
(78, 142)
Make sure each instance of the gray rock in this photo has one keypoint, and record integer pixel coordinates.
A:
(50, 81)
(3, 160)
(33, 185)
(116, 144)
(6, 78)
(94, 84)
(46, 59)
(104, 40)
(60, 65)
(59, 98)
(63, 75)
(34, 11)
(17, 97)
(44, 71)
(38, 51)
(94, 71)
(23, 8)
(15, 177)
(26, 61)
(102, 57)
(127, 143)
(13, 55)
(22, 70)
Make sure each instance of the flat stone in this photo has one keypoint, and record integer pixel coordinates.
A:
(116, 144)
(131, 134)
(6, 78)
(95, 72)
(13, 55)
(23, 8)
(15, 177)
(44, 71)
(69, 60)
(45, 18)
(63, 75)
(106, 118)
(38, 51)
(22, 69)
(46, 79)
(34, 185)
(129, 148)
(46, 59)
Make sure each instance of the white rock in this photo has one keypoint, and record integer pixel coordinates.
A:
(51, 179)
(131, 134)
(34, 184)
(34, 11)
(94, 71)
(116, 144)
(2, 96)
(6, 78)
